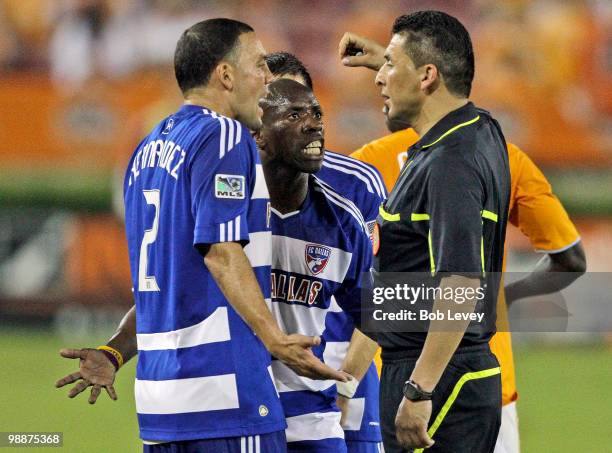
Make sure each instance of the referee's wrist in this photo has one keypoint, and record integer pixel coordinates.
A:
(424, 384)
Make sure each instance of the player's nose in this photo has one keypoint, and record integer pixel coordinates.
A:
(379, 80)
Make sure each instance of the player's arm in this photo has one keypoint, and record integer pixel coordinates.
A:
(554, 272)
(97, 367)
(359, 356)
(221, 230)
(541, 217)
(232, 271)
(358, 359)
(356, 50)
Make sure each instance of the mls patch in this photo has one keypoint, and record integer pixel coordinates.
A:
(317, 257)
(229, 186)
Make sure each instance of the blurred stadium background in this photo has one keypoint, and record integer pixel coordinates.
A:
(81, 81)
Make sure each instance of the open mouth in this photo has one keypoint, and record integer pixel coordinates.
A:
(314, 149)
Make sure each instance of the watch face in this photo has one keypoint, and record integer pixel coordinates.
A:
(410, 392)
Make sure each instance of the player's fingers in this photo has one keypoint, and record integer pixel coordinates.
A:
(322, 371)
(345, 43)
(73, 353)
(357, 61)
(74, 391)
(68, 379)
(95, 392)
(306, 341)
(351, 40)
(111, 392)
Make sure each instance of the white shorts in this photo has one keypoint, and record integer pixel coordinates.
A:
(508, 437)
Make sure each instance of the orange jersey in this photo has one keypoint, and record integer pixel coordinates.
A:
(534, 209)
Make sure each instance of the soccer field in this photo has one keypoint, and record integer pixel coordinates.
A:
(565, 398)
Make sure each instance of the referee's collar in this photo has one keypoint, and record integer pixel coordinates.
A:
(450, 123)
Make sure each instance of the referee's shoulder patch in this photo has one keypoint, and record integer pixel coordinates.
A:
(229, 186)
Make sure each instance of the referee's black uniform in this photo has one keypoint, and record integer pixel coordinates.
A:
(447, 215)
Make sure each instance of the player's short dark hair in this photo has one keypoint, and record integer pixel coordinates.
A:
(437, 38)
(201, 47)
(280, 63)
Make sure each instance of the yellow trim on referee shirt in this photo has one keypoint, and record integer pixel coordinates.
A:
(432, 262)
(453, 396)
(388, 216)
(415, 217)
(482, 262)
(453, 129)
(489, 215)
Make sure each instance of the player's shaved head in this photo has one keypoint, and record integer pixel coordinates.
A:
(282, 91)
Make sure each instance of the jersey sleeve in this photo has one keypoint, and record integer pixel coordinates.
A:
(357, 279)
(454, 202)
(222, 179)
(537, 212)
(371, 204)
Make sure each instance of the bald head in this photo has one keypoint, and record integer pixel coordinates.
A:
(284, 91)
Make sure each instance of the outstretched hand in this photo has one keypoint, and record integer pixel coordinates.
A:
(295, 352)
(95, 370)
(356, 50)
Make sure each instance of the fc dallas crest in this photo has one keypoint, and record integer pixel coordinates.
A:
(317, 257)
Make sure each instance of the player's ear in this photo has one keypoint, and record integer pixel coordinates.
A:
(430, 78)
(225, 74)
(260, 139)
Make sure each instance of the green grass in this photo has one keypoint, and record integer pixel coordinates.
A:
(565, 400)
(30, 401)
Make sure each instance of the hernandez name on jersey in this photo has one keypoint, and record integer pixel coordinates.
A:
(197, 180)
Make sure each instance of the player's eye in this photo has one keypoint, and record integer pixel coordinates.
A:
(318, 115)
(294, 116)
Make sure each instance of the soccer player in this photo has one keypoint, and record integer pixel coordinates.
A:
(320, 249)
(446, 215)
(195, 196)
(360, 183)
(534, 209)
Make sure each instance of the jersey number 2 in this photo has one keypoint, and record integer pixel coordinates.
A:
(148, 282)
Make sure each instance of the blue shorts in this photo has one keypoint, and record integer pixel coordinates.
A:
(357, 446)
(261, 443)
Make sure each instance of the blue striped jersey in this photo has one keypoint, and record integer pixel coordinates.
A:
(194, 180)
(362, 184)
(320, 251)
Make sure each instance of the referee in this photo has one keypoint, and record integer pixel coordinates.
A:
(446, 216)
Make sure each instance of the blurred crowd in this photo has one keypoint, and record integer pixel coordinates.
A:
(542, 65)
(82, 81)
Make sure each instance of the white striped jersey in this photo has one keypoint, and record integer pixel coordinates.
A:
(362, 184)
(197, 180)
(320, 251)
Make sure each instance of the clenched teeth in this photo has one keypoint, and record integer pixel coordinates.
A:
(313, 148)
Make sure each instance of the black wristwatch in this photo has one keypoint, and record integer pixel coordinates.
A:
(413, 392)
